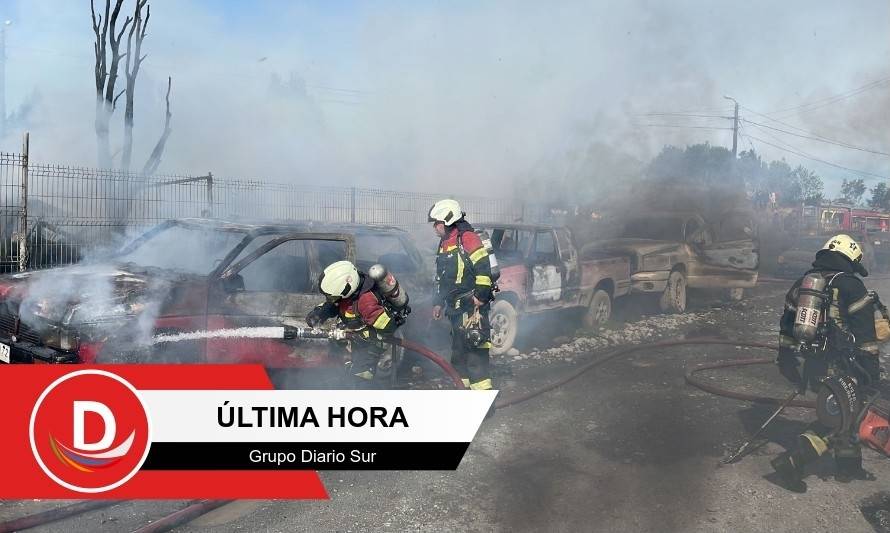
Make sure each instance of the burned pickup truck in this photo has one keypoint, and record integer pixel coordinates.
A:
(673, 251)
(181, 277)
(541, 271)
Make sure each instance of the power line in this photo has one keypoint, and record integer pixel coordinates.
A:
(816, 159)
(833, 99)
(814, 137)
(681, 115)
(682, 126)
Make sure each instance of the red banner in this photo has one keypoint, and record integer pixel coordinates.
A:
(81, 432)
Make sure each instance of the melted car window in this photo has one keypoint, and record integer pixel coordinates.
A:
(194, 250)
(284, 268)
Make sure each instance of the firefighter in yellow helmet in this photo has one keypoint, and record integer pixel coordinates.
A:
(829, 323)
(351, 296)
(463, 272)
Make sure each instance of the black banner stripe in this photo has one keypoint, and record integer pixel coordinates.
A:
(305, 455)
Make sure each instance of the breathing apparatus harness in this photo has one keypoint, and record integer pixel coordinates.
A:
(828, 345)
(471, 327)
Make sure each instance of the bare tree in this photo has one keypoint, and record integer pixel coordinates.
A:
(108, 38)
(155, 158)
(134, 61)
(106, 77)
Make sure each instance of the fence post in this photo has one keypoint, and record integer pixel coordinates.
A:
(352, 204)
(210, 194)
(23, 223)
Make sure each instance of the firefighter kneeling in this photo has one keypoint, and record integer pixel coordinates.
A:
(370, 306)
(829, 322)
(463, 272)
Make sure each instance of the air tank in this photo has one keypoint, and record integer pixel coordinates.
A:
(810, 302)
(388, 286)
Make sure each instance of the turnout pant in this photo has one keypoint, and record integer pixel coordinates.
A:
(366, 353)
(471, 360)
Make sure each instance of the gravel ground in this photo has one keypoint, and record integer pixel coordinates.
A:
(626, 447)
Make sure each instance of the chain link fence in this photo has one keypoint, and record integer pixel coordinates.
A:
(65, 213)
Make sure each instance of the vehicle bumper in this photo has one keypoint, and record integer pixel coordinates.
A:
(649, 281)
(28, 353)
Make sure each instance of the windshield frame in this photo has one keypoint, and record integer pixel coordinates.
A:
(164, 226)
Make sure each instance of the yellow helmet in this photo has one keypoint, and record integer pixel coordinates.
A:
(845, 245)
(339, 280)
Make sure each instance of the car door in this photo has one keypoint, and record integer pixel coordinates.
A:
(546, 271)
(733, 255)
(274, 285)
(568, 261)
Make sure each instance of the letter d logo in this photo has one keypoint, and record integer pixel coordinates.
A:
(82, 407)
(89, 431)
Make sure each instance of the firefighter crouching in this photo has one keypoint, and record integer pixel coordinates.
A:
(371, 308)
(464, 292)
(829, 323)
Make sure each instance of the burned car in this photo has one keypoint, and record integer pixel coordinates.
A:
(673, 251)
(183, 276)
(541, 271)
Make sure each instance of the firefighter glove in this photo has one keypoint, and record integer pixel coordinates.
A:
(315, 317)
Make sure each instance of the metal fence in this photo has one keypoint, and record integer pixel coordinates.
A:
(65, 213)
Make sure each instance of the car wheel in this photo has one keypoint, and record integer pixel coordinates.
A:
(599, 310)
(735, 294)
(673, 299)
(504, 326)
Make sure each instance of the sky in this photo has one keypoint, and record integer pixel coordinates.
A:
(432, 95)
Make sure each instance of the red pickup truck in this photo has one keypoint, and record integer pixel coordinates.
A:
(541, 270)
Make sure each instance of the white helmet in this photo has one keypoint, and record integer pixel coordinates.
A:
(447, 211)
(846, 246)
(339, 280)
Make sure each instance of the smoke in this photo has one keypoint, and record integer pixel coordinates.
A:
(432, 96)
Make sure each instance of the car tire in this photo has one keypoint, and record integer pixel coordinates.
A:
(599, 311)
(504, 326)
(673, 299)
(735, 294)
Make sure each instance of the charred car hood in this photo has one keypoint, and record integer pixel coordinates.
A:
(87, 293)
(636, 246)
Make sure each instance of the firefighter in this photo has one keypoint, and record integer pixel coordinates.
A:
(351, 296)
(463, 272)
(848, 324)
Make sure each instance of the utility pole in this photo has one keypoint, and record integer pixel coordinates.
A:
(735, 127)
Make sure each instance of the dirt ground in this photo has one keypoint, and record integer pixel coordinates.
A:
(629, 446)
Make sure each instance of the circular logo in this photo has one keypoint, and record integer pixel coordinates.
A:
(90, 431)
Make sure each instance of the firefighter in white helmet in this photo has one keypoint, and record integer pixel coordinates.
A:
(829, 316)
(464, 292)
(352, 298)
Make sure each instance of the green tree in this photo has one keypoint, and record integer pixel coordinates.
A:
(811, 186)
(697, 164)
(852, 190)
(880, 196)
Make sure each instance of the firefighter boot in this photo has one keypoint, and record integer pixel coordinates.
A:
(790, 472)
(848, 461)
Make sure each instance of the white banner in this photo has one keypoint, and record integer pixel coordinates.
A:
(315, 415)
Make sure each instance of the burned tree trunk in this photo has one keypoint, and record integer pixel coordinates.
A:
(106, 77)
(155, 158)
(134, 61)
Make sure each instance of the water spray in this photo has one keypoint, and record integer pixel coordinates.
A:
(274, 332)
